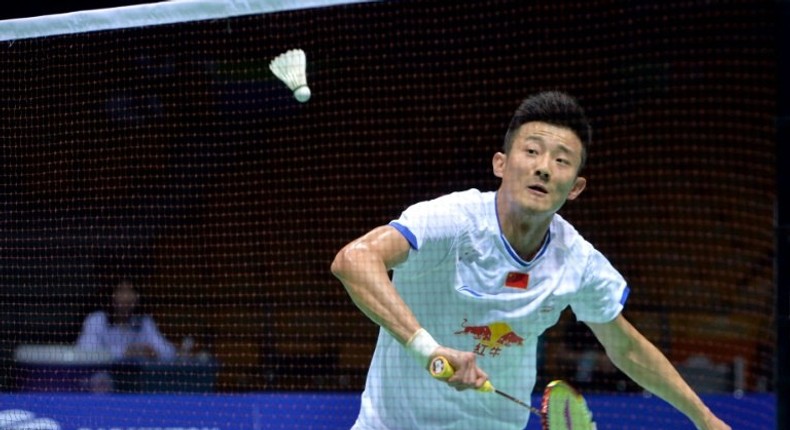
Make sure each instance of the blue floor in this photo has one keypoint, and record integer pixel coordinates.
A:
(326, 411)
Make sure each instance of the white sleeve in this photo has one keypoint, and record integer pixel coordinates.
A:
(603, 291)
(431, 228)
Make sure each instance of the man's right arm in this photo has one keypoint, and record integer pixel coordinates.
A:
(362, 266)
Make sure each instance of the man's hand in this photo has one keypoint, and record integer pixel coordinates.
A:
(467, 375)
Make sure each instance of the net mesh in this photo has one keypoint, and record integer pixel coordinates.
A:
(170, 156)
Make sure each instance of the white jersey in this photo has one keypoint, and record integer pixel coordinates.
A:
(470, 290)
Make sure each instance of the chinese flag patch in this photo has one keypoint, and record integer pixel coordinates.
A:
(517, 280)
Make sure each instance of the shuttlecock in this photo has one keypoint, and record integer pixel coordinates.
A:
(290, 68)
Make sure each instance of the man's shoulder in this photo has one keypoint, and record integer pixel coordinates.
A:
(473, 205)
(470, 196)
(565, 235)
(97, 317)
(469, 202)
(576, 248)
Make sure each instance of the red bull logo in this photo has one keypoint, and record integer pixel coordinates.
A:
(491, 338)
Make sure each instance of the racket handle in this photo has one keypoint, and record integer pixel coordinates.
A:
(442, 369)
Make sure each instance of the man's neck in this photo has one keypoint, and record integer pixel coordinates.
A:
(525, 233)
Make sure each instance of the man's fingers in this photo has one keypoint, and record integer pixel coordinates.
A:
(463, 371)
(468, 376)
(482, 377)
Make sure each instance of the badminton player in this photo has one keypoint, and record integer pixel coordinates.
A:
(478, 276)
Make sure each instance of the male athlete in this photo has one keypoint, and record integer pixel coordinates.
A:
(478, 276)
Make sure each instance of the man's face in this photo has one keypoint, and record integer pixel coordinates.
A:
(124, 299)
(540, 172)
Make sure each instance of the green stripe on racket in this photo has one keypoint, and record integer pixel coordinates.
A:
(562, 407)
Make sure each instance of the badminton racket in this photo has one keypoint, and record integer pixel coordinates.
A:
(562, 407)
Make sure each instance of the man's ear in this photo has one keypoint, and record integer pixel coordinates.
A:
(578, 187)
(498, 164)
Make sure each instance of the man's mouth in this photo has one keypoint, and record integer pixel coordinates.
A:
(538, 188)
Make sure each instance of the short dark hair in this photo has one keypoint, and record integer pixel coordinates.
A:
(555, 108)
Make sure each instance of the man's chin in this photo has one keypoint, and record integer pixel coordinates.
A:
(532, 210)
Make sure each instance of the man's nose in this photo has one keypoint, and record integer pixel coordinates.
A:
(542, 169)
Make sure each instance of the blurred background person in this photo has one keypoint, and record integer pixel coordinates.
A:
(123, 331)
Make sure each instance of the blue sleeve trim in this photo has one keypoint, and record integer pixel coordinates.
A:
(624, 297)
(410, 237)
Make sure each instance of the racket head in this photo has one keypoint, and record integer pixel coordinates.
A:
(564, 408)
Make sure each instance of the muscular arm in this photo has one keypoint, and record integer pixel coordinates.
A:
(362, 267)
(648, 367)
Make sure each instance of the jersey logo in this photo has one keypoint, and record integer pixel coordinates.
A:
(517, 280)
(491, 338)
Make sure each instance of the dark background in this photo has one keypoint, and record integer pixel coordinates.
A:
(783, 220)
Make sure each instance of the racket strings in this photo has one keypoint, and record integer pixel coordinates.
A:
(563, 408)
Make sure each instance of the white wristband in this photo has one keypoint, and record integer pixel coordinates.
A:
(421, 346)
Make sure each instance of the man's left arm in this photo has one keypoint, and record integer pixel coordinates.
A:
(647, 366)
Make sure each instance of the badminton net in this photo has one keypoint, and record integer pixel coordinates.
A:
(163, 150)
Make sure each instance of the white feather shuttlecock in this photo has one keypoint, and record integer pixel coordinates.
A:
(290, 68)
